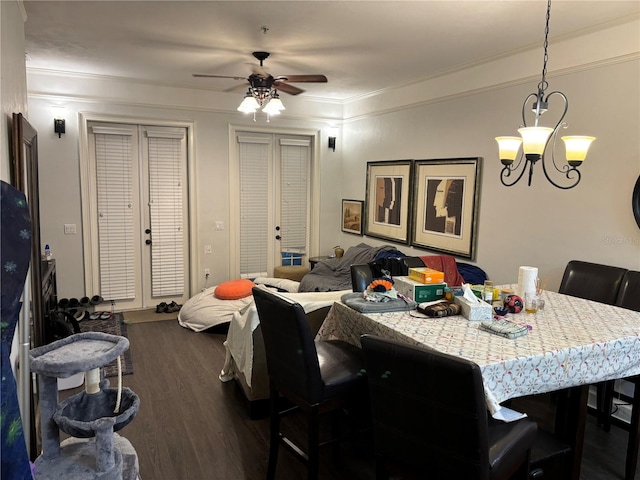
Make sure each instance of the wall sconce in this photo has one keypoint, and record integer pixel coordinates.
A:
(58, 121)
(332, 143)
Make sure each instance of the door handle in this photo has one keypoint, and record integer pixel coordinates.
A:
(147, 241)
(147, 231)
(278, 237)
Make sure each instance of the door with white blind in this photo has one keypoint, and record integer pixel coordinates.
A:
(139, 234)
(274, 201)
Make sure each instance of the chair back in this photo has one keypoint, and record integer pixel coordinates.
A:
(629, 293)
(592, 281)
(429, 410)
(361, 277)
(292, 359)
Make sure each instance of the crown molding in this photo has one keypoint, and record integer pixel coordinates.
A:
(498, 86)
(96, 100)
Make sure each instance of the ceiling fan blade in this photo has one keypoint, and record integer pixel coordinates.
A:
(285, 87)
(303, 78)
(202, 75)
(240, 87)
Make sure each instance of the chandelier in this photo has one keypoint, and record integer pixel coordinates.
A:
(538, 143)
(261, 95)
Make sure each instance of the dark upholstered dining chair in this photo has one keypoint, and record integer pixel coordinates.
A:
(317, 376)
(430, 417)
(600, 283)
(361, 276)
(592, 281)
(629, 293)
(628, 297)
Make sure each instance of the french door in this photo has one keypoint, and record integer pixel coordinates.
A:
(274, 180)
(137, 180)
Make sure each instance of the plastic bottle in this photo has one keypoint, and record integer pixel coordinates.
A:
(47, 252)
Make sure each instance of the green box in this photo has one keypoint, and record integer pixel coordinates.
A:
(419, 292)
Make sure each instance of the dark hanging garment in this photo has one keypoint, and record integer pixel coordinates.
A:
(15, 254)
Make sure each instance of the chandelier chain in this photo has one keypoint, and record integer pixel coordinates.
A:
(542, 86)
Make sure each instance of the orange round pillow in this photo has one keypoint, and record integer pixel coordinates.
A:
(234, 289)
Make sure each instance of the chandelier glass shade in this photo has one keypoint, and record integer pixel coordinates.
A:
(538, 142)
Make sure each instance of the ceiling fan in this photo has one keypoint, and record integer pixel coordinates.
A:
(262, 82)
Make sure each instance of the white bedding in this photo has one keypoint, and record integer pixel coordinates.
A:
(204, 310)
(239, 341)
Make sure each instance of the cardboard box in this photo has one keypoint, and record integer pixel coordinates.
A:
(477, 311)
(426, 275)
(418, 291)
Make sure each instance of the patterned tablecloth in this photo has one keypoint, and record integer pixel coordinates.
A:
(572, 342)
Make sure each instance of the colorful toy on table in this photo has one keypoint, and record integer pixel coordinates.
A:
(513, 303)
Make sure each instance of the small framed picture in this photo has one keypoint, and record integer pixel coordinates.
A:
(352, 216)
(446, 205)
(388, 200)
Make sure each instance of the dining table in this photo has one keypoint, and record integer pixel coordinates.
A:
(570, 344)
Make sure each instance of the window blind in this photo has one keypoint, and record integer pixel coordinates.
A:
(166, 192)
(115, 213)
(254, 190)
(295, 158)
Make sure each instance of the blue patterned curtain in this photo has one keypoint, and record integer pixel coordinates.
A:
(15, 253)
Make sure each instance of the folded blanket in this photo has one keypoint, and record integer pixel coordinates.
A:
(446, 264)
(334, 274)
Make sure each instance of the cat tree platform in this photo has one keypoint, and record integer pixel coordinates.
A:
(91, 417)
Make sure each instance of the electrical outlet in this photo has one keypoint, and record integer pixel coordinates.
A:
(207, 272)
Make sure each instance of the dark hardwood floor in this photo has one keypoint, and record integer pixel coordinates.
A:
(191, 426)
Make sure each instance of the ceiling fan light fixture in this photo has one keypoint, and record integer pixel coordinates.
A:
(270, 109)
(274, 106)
(262, 93)
(249, 104)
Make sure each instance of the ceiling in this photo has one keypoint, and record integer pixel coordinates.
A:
(361, 46)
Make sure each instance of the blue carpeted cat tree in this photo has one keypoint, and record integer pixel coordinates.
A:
(91, 417)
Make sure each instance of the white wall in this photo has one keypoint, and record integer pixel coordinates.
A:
(13, 81)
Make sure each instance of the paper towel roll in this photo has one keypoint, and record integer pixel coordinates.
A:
(527, 280)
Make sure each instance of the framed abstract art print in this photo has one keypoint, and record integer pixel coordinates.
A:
(388, 197)
(445, 205)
